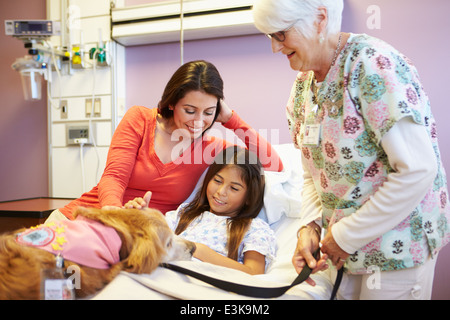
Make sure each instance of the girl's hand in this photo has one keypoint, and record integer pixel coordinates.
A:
(254, 262)
(139, 203)
(225, 113)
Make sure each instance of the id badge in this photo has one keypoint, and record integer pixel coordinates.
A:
(312, 134)
(55, 285)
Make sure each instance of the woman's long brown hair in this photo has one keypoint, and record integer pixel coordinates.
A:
(199, 75)
(253, 176)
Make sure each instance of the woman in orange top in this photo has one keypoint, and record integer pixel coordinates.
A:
(165, 150)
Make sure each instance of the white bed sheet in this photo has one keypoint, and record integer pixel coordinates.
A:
(281, 211)
(164, 284)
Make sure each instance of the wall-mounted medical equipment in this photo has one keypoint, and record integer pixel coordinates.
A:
(78, 134)
(32, 28)
(43, 57)
(159, 22)
(31, 74)
(32, 67)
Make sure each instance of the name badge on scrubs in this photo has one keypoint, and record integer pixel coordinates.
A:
(312, 134)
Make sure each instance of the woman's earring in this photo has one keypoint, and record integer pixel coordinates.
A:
(321, 38)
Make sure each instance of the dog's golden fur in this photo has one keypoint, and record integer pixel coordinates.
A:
(144, 235)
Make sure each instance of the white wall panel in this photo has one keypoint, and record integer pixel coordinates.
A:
(81, 83)
(76, 109)
(103, 133)
(92, 27)
(86, 22)
(59, 135)
(66, 168)
(89, 8)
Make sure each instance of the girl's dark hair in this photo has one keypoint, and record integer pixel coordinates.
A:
(253, 176)
(197, 75)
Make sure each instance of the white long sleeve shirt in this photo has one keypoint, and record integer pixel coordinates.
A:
(411, 155)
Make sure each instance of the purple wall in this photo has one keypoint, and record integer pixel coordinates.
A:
(257, 82)
(23, 124)
(257, 85)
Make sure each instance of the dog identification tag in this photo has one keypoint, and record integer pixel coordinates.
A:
(312, 134)
(54, 285)
(58, 289)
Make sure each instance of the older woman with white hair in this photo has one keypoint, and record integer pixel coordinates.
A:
(373, 176)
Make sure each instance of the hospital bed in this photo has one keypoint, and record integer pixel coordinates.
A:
(281, 211)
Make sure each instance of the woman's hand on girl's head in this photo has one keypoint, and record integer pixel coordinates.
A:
(225, 113)
(139, 203)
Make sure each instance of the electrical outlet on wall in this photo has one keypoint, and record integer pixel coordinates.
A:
(64, 111)
(88, 107)
(96, 109)
(77, 134)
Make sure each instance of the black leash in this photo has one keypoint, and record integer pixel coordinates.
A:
(252, 291)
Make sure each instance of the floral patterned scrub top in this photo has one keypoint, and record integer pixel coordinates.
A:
(369, 89)
(211, 230)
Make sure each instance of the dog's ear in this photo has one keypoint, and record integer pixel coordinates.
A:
(146, 252)
(142, 247)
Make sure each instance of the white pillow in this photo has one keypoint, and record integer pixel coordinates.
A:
(283, 189)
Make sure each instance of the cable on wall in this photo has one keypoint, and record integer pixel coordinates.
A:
(181, 33)
(91, 125)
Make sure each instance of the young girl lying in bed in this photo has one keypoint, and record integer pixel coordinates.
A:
(222, 218)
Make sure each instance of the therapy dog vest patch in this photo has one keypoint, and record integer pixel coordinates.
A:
(83, 241)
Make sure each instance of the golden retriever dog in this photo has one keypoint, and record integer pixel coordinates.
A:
(101, 243)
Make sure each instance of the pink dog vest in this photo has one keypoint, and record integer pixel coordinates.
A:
(83, 241)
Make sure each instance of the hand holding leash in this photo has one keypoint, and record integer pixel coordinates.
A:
(307, 252)
(330, 247)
